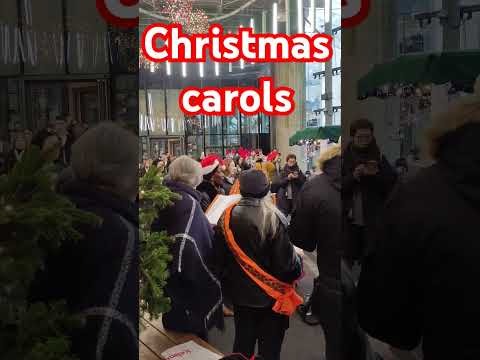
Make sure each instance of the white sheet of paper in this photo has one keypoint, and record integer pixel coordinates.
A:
(219, 205)
(189, 351)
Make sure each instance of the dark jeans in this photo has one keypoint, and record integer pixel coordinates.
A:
(262, 325)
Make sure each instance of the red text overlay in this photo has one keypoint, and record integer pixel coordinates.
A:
(162, 42)
(249, 100)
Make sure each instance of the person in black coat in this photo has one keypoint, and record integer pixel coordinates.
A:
(194, 290)
(367, 180)
(260, 230)
(288, 185)
(317, 225)
(419, 284)
(98, 275)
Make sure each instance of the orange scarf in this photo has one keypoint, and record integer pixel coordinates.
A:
(287, 300)
(235, 190)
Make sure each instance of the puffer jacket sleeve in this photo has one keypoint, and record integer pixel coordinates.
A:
(302, 225)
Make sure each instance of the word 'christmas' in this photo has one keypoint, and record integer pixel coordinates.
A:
(175, 46)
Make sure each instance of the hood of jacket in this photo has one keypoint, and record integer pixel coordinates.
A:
(332, 170)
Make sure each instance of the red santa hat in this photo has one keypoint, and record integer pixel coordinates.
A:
(210, 163)
(272, 156)
(243, 153)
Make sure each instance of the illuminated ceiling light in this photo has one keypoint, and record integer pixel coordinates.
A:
(312, 15)
(184, 70)
(201, 69)
(275, 18)
(300, 16)
(217, 69)
(242, 62)
(230, 65)
(169, 68)
(252, 26)
(264, 22)
(328, 11)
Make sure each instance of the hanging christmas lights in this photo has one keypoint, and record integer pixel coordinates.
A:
(193, 21)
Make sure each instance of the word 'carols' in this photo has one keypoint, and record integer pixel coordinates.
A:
(249, 100)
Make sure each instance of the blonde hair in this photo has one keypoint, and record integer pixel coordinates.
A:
(269, 221)
(465, 111)
(329, 154)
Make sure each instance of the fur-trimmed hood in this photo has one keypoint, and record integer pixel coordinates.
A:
(465, 111)
(453, 143)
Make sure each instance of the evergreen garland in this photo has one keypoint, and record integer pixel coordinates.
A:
(154, 246)
(34, 221)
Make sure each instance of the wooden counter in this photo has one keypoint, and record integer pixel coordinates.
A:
(154, 340)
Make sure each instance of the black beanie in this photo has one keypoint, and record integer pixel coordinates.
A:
(254, 184)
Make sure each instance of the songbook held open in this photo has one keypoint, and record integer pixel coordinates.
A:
(219, 205)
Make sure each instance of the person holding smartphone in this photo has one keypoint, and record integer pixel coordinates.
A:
(288, 185)
(368, 179)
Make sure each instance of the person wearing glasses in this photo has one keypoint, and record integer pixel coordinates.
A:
(368, 179)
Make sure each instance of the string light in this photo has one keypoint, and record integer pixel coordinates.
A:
(275, 18)
(169, 68)
(300, 16)
(184, 70)
(193, 21)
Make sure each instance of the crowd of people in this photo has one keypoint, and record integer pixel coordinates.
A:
(389, 254)
(59, 134)
(393, 262)
(245, 265)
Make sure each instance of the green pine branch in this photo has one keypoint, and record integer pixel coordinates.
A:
(154, 246)
(34, 221)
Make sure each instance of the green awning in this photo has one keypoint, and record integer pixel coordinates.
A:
(461, 67)
(331, 133)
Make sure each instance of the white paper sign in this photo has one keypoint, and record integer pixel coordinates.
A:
(219, 205)
(189, 351)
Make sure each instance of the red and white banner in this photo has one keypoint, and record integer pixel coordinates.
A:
(120, 13)
(354, 12)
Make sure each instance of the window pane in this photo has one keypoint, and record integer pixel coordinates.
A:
(213, 140)
(193, 125)
(195, 146)
(213, 125)
(264, 124)
(250, 124)
(231, 125)
(232, 141)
